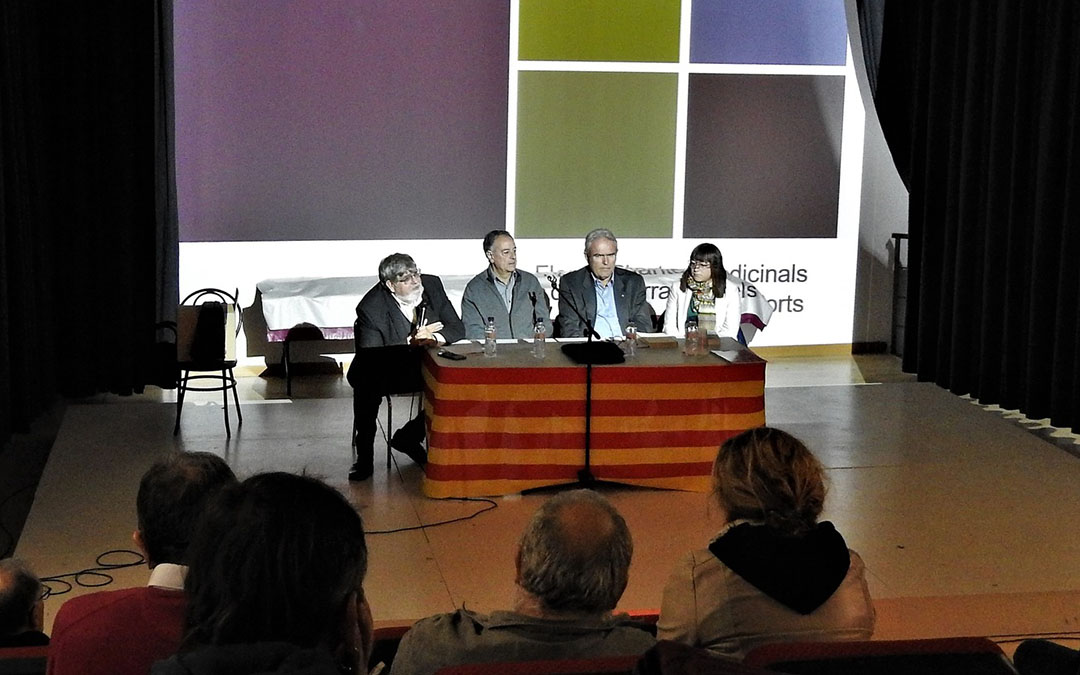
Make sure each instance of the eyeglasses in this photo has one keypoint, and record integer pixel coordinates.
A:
(698, 264)
(408, 275)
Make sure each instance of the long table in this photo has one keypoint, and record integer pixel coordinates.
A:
(512, 422)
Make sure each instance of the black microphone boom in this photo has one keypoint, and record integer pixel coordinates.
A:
(590, 352)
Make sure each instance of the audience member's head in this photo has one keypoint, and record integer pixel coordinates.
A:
(21, 608)
(172, 496)
(768, 475)
(280, 558)
(574, 555)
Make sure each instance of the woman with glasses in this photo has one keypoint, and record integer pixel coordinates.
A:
(704, 294)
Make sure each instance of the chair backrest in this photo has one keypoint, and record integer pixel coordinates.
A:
(188, 327)
(942, 656)
(23, 660)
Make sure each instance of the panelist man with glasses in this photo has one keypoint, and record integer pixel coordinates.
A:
(608, 296)
(404, 308)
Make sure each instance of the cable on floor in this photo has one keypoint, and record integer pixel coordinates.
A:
(491, 504)
(92, 577)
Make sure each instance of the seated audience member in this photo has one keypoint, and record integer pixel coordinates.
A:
(276, 583)
(608, 296)
(405, 307)
(22, 611)
(704, 294)
(1042, 657)
(515, 299)
(774, 573)
(126, 631)
(573, 562)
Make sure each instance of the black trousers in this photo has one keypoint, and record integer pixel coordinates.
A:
(366, 426)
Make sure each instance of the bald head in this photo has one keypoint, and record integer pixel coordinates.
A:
(574, 556)
(20, 594)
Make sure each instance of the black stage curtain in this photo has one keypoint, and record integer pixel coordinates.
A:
(979, 104)
(89, 248)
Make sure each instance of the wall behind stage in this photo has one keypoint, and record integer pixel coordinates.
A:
(314, 138)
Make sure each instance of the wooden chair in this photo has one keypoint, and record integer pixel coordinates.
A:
(942, 656)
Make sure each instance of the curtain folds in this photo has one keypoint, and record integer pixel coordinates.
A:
(979, 104)
(88, 256)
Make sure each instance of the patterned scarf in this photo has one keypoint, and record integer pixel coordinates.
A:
(702, 304)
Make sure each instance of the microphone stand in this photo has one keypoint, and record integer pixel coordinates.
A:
(593, 352)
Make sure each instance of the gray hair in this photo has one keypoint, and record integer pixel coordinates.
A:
(20, 590)
(393, 265)
(575, 553)
(599, 233)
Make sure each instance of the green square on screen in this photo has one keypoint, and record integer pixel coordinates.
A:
(595, 150)
(599, 30)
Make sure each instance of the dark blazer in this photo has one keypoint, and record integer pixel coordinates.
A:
(577, 289)
(379, 321)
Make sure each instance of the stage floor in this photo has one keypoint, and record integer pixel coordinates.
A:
(965, 519)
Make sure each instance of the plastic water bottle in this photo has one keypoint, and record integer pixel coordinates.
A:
(489, 337)
(540, 340)
(693, 338)
(631, 339)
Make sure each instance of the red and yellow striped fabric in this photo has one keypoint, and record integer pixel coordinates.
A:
(510, 423)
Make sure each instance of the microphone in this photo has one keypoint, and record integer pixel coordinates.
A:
(590, 332)
(532, 298)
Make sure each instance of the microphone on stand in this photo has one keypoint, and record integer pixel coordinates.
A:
(590, 352)
(532, 299)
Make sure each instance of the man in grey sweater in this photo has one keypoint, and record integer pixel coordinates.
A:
(572, 565)
(513, 298)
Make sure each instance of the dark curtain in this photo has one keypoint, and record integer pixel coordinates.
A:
(88, 208)
(979, 104)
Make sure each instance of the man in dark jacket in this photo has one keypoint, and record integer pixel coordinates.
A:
(607, 296)
(404, 309)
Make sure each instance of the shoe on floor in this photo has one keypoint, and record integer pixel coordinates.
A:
(361, 471)
(410, 447)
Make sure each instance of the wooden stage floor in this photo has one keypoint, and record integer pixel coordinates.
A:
(966, 520)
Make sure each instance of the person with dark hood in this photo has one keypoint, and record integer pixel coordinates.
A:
(774, 573)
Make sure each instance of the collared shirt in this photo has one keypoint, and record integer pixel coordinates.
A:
(506, 290)
(168, 575)
(607, 317)
(408, 308)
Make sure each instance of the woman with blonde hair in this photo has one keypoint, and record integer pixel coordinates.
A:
(773, 573)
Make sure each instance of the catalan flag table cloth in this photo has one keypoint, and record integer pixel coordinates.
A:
(512, 422)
